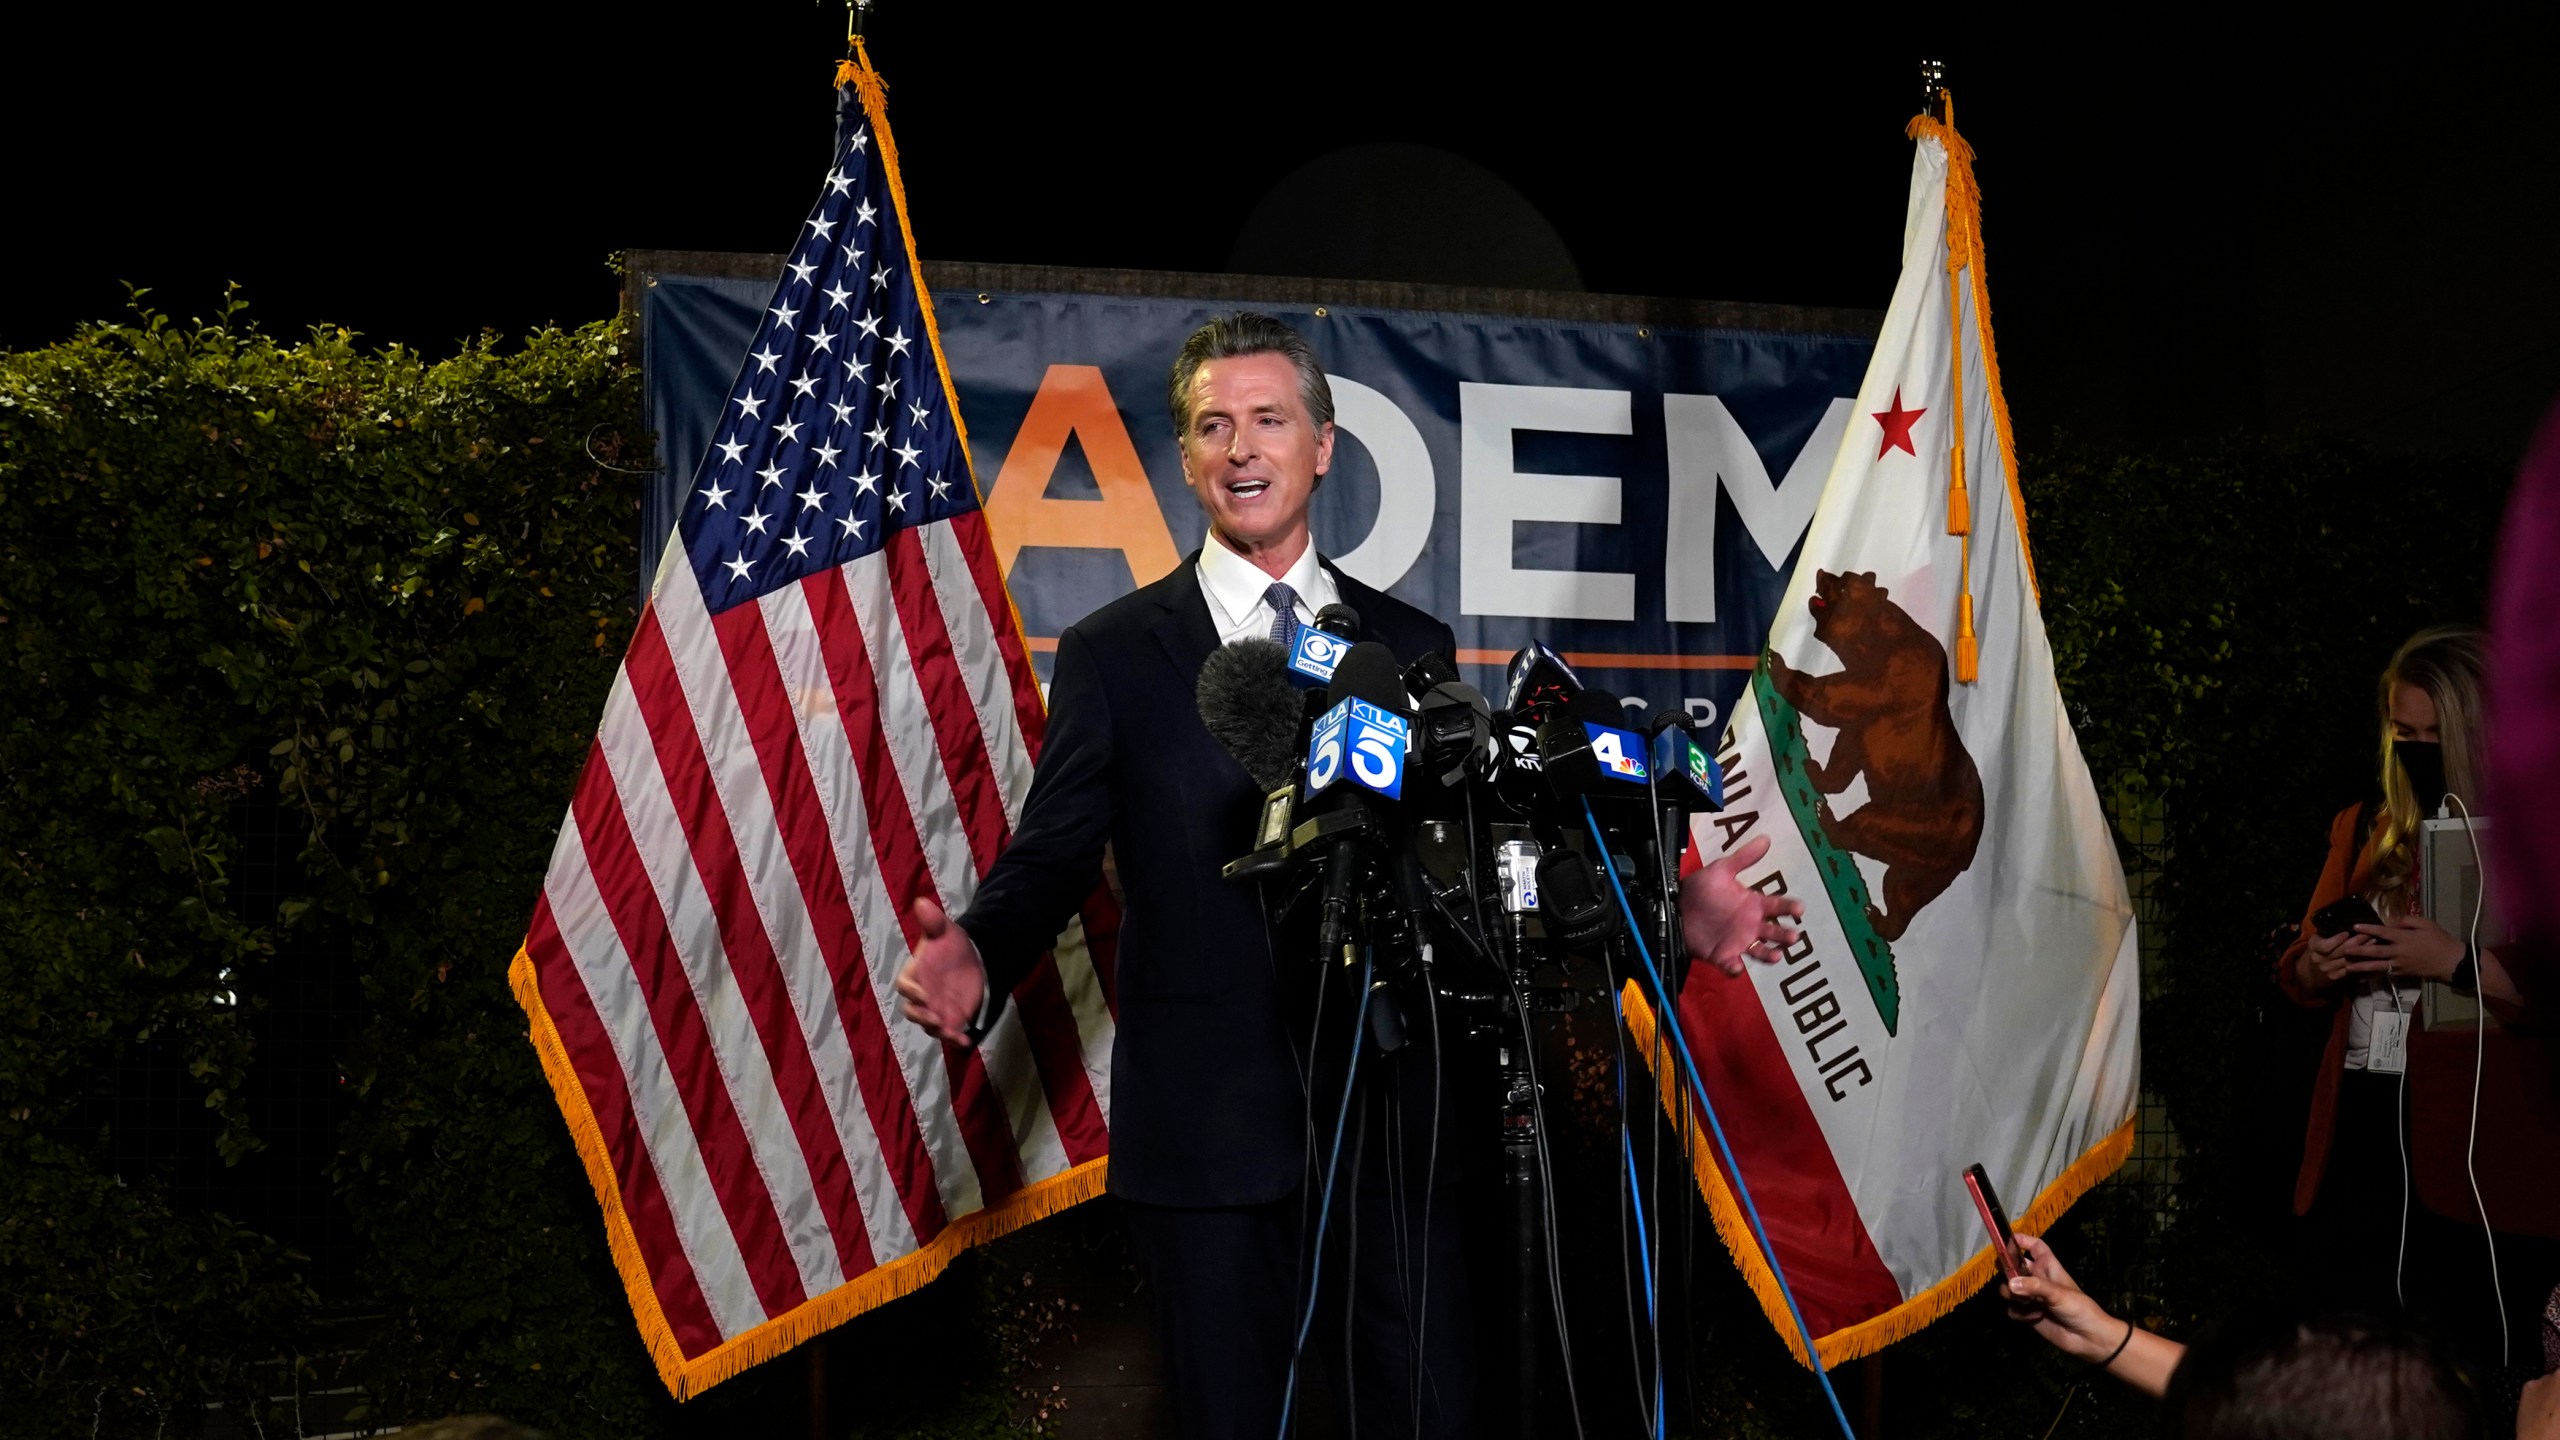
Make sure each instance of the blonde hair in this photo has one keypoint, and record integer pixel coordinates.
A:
(2444, 663)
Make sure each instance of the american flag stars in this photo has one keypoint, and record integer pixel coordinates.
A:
(835, 371)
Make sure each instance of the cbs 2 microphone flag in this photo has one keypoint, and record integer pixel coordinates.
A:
(1965, 987)
(827, 708)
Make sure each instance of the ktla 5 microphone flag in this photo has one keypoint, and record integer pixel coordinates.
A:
(827, 710)
(1965, 986)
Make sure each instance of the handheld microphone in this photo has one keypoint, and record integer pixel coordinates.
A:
(1321, 646)
(1360, 743)
(1453, 727)
(1538, 676)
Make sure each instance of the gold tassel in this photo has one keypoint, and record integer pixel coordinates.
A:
(856, 70)
(1968, 649)
(1959, 504)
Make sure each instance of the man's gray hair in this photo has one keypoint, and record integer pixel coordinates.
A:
(1247, 333)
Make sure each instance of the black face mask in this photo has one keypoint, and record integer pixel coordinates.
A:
(2422, 763)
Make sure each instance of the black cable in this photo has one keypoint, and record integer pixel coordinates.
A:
(1307, 1172)
(1324, 1207)
(1430, 1177)
(1626, 1286)
(1688, 1240)
(1351, 1269)
(1399, 1233)
(1546, 1176)
(1667, 877)
(1547, 1199)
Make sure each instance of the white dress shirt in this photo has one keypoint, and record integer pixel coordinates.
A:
(1234, 588)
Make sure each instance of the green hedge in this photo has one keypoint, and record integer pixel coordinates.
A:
(383, 596)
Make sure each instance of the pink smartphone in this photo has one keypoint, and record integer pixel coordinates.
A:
(1986, 1201)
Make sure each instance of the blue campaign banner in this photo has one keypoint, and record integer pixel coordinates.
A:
(1632, 495)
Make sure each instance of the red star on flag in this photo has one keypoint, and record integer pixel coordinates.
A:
(1897, 423)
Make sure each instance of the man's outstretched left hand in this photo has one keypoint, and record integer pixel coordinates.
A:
(1722, 920)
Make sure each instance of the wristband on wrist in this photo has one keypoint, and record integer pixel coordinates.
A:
(2466, 971)
(2119, 1350)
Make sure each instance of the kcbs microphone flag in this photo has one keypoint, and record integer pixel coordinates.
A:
(1965, 985)
(826, 710)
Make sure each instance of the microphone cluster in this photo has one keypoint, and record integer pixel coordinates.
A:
(1409, 806)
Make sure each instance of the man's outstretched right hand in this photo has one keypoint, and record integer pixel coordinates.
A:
(944, 983)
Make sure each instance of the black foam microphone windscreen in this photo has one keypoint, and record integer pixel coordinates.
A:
(1338, 619)
(1429, 671)
(1250, 708)
(1370, 672)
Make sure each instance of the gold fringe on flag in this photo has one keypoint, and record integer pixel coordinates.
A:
(1915, 1312)
(686, 1378)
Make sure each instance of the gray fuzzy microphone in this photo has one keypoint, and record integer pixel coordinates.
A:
(1250, 708)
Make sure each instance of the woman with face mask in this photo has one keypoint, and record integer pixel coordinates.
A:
(2390, 1150)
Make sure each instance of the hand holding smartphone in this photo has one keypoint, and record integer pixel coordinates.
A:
(2345, 915)
(1986, 1202)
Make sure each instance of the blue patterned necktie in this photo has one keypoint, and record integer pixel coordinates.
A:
(1284, 613)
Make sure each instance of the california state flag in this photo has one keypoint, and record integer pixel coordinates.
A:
(1965, 986)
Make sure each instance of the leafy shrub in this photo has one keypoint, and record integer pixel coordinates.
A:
(384, 595)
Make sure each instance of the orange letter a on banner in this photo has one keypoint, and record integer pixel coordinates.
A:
(1074, 401)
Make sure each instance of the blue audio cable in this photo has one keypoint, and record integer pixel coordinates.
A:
(1324, 1209)
(1668, 1018)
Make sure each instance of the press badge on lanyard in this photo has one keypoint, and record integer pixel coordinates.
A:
(2387, 1044)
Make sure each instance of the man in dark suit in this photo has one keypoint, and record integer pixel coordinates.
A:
(1209, 1104)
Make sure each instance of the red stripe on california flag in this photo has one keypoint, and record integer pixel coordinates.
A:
(749, 950)
(644, 1202)
(1831, 1262)
(1049, 1024)
(969, 528)
(614, 859)
(974, 1103)
(766, 706)
(965, 761)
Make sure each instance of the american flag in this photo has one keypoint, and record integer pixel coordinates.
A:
(826, 711)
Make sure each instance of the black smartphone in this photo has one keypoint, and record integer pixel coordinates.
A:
(1986, 1201)
(2345, 915)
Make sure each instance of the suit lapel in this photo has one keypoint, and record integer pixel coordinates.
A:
(1183, 628)
(1359, 597)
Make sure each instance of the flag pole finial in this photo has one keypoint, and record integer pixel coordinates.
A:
(855, 68)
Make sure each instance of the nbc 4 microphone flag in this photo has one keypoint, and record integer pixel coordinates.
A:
(1965, 985)
(826, 710)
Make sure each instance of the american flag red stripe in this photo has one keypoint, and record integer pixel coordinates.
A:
(949, 713)
(965, 538)
(741, 929)
(798, 808)
(899, 850)
(573, 1015)
(664, 993)
(827, 711)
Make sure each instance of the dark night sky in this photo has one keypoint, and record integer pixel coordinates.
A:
(2189, 228)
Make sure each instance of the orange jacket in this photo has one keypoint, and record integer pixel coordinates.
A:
(2517, 1156)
